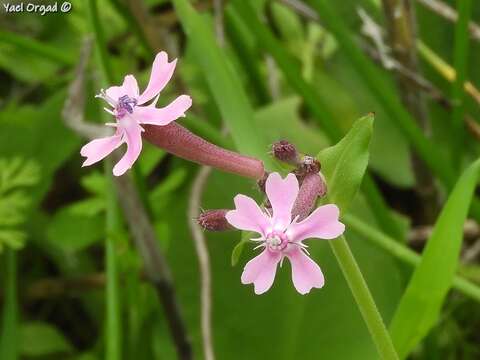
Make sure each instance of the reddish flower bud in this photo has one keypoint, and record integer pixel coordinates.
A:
(308, 165)
(285, 151)
(214, 220)
(313, 186)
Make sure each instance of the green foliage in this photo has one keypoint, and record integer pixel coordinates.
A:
(278, 74)
(16, 177)
(420, 306)
(345, 163)
(40, 339)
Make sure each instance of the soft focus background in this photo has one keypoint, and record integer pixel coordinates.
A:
(73, 283)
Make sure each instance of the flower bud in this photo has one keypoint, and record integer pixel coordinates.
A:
(308, 165)
(313, 186)
(214, 220)
(285, 151)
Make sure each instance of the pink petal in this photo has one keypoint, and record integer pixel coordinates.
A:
(97, 149)
(129, 87)
(132, 135)
(248, 216)
(306, 274)
(165, 115)
(322, 223)
(261, 271)
(162, 71)
(282, 194)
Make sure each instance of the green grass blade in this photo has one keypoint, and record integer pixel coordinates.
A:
(224, 83)
(113, 325)
(246, 53)
(403, 253)
(36, 48)
(376, 82)
(113, 335)
(9, 333)
(290, 68)
(421, 303)
(462, 36)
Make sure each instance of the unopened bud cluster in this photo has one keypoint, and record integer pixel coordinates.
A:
(307, 171)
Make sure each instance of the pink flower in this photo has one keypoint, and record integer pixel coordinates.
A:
(281, 236)
(130, 111)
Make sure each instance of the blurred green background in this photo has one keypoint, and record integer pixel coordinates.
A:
(73, 284)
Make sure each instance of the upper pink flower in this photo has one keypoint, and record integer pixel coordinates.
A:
(130, 110)
(281, 236)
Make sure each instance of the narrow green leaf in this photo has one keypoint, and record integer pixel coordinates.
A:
(290, 67)
(385, 94)
(113, 326)
(461, 50)
(224, 83)
(421, 303)
(404, 253)
(37, 48)
(345, 163)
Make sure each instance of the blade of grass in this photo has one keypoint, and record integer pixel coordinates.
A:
(378, 85)
(224, 83)
(292, 72)
(403, 253)
(421, 303)
(460, 59)
(9, 335)
(113, 224)
(36, 48)
(246, 54)
(134, 25)
(290, 68)
(445, 70)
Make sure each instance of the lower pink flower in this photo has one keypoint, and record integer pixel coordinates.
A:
(281, 236)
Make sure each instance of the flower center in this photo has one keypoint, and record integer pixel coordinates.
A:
(125, 105)
(121, 107)
(276, 241)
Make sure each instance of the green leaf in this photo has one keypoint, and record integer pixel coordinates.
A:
(344, 164)
(63, 231)
(16, 175)
(223, 82)
(40, 339)
(238, 249)
(421, 303)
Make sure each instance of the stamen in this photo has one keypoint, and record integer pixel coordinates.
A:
(109, 111)
(103, 95)
(259, 246)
